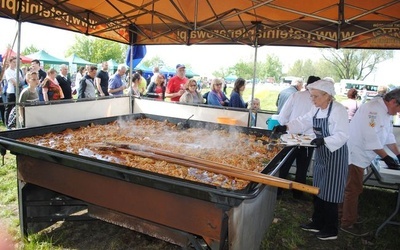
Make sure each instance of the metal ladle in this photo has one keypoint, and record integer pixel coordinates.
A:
(185, 124)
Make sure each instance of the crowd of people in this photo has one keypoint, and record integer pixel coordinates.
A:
(348, 136)
(91, 82)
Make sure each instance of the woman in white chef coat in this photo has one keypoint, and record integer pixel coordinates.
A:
(328, 119)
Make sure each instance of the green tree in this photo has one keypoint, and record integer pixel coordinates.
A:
(29, 50)
(154, 61)
(302, 68)
(222, 72)
(243, 69)
(323, 68)
(97, 50)
(355, 64)
(272, 67)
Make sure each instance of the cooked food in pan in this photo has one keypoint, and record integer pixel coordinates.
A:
(219, 146)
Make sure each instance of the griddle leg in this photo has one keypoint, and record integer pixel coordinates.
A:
(197, 243)
(388, 221)
(22, 209)
(3, 152)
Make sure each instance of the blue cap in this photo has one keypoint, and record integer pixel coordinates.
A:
(180, 66)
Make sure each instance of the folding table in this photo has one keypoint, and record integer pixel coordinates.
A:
(391, 177)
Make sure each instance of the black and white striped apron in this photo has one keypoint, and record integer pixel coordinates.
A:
(330, 168)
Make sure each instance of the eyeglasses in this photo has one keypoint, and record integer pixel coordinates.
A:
(218, 84)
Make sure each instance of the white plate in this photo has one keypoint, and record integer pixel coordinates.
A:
(295, 139)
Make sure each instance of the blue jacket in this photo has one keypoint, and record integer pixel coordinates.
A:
(213, 98)
(236, 100)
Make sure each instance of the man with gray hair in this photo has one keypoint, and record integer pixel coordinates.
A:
(371, 130)
(64, 81)
(116, 84)
(295, 86)
(156, 72)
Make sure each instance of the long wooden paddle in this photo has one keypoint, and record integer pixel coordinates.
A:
(210, 166)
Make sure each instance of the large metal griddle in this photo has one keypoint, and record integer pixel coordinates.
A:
(52, 182)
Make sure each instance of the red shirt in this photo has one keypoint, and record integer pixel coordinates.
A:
(159, 90)
(174, 85)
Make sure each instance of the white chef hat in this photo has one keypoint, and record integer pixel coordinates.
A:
(323, 85)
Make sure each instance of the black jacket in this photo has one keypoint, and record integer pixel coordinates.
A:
(65, 85)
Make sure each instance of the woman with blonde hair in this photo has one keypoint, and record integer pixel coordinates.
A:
(51, 90)
(216, 96)
(191, 94)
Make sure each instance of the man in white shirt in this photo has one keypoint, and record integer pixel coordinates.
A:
(11, 78)
(370, 131)
(298, 104)
(156, 72)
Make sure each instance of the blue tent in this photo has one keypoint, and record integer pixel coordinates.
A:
(74, 59)
(231, 78)
(168, 71)
(112, 65)
(144, 69)
(190, 73)
(46, 58)
(147, 72)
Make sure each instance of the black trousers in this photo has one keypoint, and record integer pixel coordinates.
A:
(325, 215)
(9, 106)
(303, 156)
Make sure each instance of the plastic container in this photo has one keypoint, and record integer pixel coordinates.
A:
(272, 122)
(226, 120)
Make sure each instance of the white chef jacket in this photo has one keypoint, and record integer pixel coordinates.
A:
(370, 129)
(338, 125)
(298, 104)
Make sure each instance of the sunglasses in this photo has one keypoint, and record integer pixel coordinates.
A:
(192, 85)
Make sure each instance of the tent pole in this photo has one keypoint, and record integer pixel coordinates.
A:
(130, 74)
(254, 72)
(17, 104)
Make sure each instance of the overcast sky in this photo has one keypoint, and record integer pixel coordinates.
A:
(204, 59)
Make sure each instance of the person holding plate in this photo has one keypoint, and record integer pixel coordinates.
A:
(298, 105)
(328, 118)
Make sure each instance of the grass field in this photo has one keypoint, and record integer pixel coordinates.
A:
(376, 205)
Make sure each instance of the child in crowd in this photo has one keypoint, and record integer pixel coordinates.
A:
(255, 107)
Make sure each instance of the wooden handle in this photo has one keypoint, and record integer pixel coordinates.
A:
(264, 179)
(228, 170)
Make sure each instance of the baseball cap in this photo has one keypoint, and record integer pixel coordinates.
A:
(180, 66)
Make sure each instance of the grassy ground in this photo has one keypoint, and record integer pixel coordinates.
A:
(376, 205)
